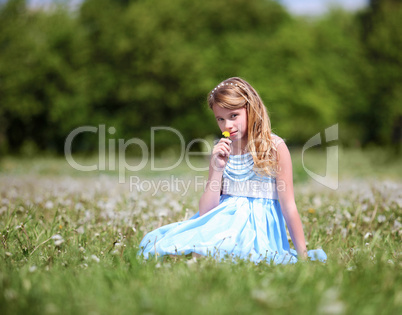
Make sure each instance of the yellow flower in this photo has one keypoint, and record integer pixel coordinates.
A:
(311, 210)
(226, 134)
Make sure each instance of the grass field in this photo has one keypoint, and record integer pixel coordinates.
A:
(69, 243)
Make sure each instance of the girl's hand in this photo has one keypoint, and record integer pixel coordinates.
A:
(220, 154)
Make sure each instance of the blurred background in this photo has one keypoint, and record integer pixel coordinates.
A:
(134, 64)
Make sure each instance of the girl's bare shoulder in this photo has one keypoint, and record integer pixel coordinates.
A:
(276, 139)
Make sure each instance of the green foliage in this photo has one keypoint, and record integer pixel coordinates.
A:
(40, 89)
(382, 38)
(137, 64)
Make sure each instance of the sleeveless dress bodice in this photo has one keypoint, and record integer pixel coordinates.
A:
(240, 179)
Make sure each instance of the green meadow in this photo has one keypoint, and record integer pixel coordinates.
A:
(69, 242)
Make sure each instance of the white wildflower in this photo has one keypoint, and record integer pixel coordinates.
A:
(175, 205)
(79, 206)
(80, 230)
(58, 239)
(351, 225)
(58, 242)
(344, 232)
(163, 212)
(347, 215)
(367, 235)
(32, 268)
(381, 218)
(28, 203)
(142, 204)
(95, 258)
(49, 204)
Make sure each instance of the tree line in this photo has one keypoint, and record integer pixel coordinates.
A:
(135, 64)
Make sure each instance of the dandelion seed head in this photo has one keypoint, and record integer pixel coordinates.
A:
(80, 230)
(32, 268)
(58, 242)
(49, 204)
(381, 218)
(367, 235)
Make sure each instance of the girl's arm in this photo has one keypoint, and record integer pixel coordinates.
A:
(284, 183)
(211, 196)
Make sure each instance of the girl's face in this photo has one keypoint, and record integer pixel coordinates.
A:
(232, 120)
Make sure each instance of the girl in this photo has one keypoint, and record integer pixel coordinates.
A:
(249, 193)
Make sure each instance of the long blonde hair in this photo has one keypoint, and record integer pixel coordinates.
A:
(235, 93)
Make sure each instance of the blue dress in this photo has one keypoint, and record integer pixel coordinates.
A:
(247, 223)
